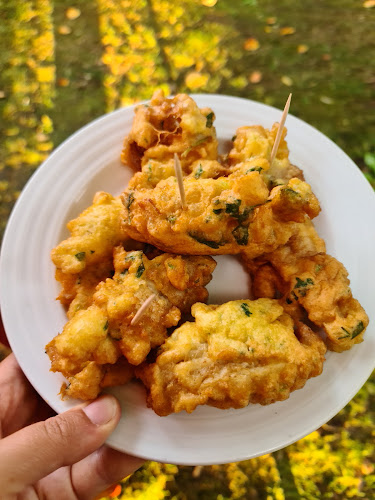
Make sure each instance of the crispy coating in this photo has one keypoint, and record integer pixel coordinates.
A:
(155, 171)
(88, 383)
(226, 215)
(167, 126)
(313, 283)
(78, 289)
(103, 332)
(234, 354)
(94, 233)
(252, 147)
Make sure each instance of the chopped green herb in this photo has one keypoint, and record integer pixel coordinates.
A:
(105, 327)
(347, 334)
(241, 234)
(140, 270)
(290, 191)
(318, 268)
(129, 200)
(129, 258)
(171, 219)
(187, 151)
(217, 211)
(233, 208)
(234, 138)
(124, 272)
(358, 329)
(80, 255)
(198, 172)
(92, 251)
(254, 169)
(203, 241)
(209, 119)
(246, 309)
(294, 296)
(301, 284)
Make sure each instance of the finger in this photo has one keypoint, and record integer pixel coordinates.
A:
(3, 337)
(106, 466)
(92, 475)
(18, 400)
(35, 451)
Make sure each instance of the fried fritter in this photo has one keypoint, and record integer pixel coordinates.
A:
(94, 234)
(252, 147)
(315, 283)
(88, 383)
(234, 354)
(226, 215)
(78, 289)
(103, 332)
(167, 126)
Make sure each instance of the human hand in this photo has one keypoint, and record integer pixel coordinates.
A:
(40, 456)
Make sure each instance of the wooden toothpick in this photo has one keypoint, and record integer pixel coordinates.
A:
(180, 182)
(142, 309)
(280, 131)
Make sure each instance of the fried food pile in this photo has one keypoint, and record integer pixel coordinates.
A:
(144, 248)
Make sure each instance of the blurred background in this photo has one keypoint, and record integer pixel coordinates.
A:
(64, 63)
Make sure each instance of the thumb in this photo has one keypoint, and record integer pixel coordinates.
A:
(35, 451)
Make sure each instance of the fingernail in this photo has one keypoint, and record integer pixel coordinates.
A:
(102, 410)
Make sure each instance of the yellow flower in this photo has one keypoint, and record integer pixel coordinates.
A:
(368, 4)
(45, 74)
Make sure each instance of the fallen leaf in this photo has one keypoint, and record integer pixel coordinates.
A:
(63, 82)
(288, 30)
(368, 4)
(251, 44)
(286, 80)
(326, 57)
(325, 99)
(72, 13)
(271, 20)
(255, 77)
(302, 49)
(64, 29)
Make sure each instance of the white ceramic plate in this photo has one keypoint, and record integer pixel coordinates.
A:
(89, 161)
